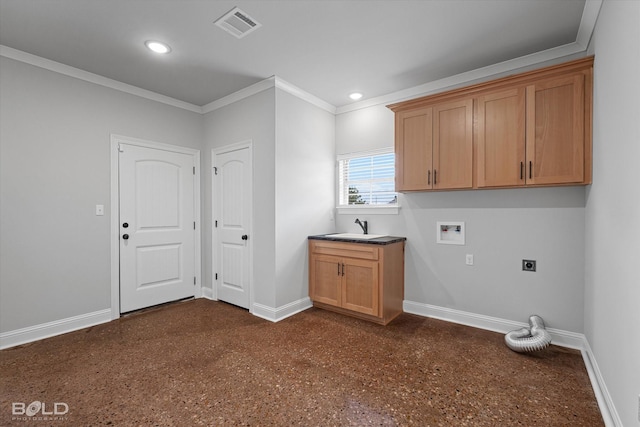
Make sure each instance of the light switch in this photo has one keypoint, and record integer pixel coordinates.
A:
(469, 259)
(99, 210)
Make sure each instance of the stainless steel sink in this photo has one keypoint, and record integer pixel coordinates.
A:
(356, 236)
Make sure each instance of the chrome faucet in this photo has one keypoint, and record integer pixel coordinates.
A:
(364, 225)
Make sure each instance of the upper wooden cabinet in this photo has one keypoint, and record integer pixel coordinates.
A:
(434, 147)
(530, 129)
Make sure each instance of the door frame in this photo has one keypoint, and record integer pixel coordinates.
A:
(115, 212)
(248, 144)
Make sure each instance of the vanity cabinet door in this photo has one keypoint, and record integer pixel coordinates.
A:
(360, 286)
(325, 278)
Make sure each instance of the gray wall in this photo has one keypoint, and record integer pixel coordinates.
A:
(612, 297)
(305, 194)
(502, 228)
(294, 159)
(252, 119)
(54, 168)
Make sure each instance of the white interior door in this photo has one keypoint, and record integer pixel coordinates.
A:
(232, 220)
(157, 236)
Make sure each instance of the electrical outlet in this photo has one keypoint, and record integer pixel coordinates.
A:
(469, 259)
(528, 265)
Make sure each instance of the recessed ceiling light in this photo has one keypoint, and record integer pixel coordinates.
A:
(355, 96)
(157, 47)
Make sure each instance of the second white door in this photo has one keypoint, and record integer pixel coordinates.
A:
(232, 193)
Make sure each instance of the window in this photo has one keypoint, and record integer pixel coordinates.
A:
(367, 179)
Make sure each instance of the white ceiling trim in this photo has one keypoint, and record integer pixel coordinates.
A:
(588, 22)
(77, 73)
(465, 78)
(240, 95)
(587, 25)
(305, 96)
(585, 31)
(273, 81)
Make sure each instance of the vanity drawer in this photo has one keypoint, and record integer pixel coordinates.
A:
(340, 249)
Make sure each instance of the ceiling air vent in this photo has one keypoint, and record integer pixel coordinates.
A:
(238, 23)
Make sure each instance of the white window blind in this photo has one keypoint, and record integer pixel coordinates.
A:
(367, 179)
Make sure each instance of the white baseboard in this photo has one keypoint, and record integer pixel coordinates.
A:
(607, 408)
(558, 337)
(495, 324)
(280, 313)
(207, 293)
(269, 313)
(50, 329)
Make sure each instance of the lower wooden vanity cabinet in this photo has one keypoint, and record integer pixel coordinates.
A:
(364, 280)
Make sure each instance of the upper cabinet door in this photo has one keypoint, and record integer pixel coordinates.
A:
(453, 145)
(556, 131)
(414, 141)
(501, 138)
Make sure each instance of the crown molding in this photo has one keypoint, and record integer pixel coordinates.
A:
(580, 46)
(465, 78)
(306, 96)
(273, 81)
(240, 95)
(588, 22)
(77, 73)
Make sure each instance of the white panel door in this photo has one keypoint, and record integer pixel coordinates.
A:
(232, 219)
(157, 236)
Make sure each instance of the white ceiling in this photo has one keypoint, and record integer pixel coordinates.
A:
(327, 48)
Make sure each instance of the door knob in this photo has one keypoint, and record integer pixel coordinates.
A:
(245, 237)
(125, 236)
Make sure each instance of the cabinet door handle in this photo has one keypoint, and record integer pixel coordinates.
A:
(343, 269)
(338, 269)
(530, 169)
(521, 170)
(429, 177)
(435, 179)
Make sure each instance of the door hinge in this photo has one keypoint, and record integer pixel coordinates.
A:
(194, 280)
(120, 148)
(194, 170)
(215, 170)
(216, 276)
(216, 223)
(194, 225)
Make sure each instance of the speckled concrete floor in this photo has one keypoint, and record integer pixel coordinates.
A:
(208, 363)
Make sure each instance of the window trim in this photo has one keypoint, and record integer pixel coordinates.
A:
(363, 209)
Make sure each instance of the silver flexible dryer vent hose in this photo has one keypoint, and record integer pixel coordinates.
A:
(525, 339)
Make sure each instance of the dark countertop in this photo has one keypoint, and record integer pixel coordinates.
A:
(386, 240)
